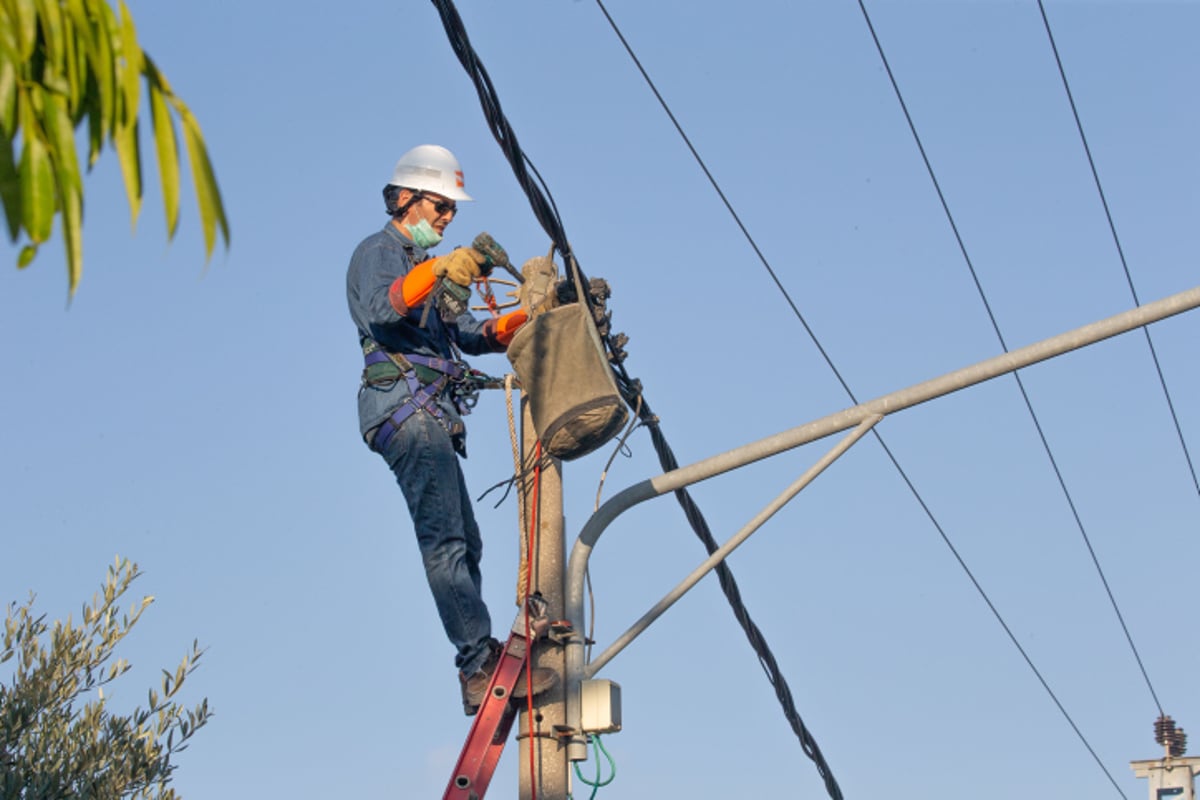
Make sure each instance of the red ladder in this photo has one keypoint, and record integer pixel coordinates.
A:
(493, 721)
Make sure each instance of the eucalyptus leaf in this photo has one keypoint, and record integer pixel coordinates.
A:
(8, 98)
(26, 256)
(50, 24)
(72, 228)
(127, 143)
(37, 189)
(25, 16)
(70, 63)
(10, 189)
(131, 70)
(56, 121)
(208, 195)
(104, 70)
(167, 149)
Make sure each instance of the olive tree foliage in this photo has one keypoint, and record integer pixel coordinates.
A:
(77, 64)
(58, 737)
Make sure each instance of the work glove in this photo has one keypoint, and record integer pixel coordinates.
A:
(462, 265)
(506, 326)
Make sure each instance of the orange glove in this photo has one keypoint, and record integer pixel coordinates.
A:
(504, 328)
(461, 265)
(409, 291)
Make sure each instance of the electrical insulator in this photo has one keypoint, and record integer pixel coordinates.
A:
(1178, 743)
(1164, 730)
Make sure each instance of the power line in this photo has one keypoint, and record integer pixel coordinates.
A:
(630, 388)
(995, 326)
(1016, 375)
(834, 369)
(1121, 253)
(725, 200)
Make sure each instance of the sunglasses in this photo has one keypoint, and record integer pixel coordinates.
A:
(442, 207)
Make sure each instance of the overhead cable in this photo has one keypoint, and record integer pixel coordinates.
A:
(846, 387)
(1121, 253)
(1020, 384)
(1016, 375)
(631, 389)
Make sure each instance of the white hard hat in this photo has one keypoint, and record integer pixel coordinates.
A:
(430, 168)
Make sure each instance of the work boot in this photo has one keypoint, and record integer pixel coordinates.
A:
(474, 687)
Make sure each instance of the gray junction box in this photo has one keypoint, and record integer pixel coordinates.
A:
(600, 706)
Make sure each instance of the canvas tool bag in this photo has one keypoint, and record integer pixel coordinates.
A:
(565, 375)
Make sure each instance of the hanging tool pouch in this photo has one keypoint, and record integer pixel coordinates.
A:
(565, 375)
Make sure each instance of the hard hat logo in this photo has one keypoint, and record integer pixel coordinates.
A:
(431, 168)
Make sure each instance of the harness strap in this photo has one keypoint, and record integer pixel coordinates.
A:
(422, 394)
(421, 398)
(453, 369)
(405, 361)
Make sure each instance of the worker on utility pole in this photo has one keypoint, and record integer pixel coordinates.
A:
(413, 323)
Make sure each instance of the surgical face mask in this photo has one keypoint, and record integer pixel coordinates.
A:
(423, 234)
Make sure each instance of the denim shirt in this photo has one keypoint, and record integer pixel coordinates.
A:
(377, 262)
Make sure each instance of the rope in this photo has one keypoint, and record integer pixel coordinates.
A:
(531, 551)
(523, 554)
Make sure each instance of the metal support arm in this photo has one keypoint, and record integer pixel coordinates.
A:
(863, 414)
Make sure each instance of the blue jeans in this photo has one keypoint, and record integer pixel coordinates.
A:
(422, 457)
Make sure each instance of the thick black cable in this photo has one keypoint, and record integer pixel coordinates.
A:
(537, 192)
(1120, 250)
(630, 388)
(845, 386)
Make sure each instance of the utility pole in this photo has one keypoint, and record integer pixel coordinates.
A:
(547, 776)
(1172, 777)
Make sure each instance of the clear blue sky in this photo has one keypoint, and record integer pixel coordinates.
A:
(201, 420)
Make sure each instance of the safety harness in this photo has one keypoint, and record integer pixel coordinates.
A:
(427, 377)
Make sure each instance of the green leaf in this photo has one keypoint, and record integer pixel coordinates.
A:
(104, 67)
(82, 49)
(69, 184)
(72, 228)
(10, 189)
(208, 195)
(127, 143)
(74, 66)
(8, 98)
(91, 107)
(168, 150)
(37, 181)
(25, 15)
(61, 134)
(55, 748)
(50, 22)
(131, 67)
(28, 252)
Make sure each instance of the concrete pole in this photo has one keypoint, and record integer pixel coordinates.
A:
(1170, 778)
(549, 769)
